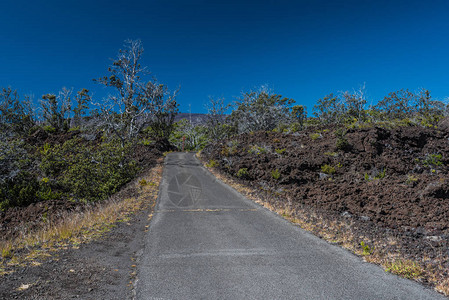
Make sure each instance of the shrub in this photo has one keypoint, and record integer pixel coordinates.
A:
(333, 154)
(280, 151)
(366, 250)
(432, 160)
(257, 150)
(20, 191)
(230, 149)
(212, 164)
(327, 169)
(85, 173)
(342, 143)
(315, 136)
(411, 180)
(242, 173)
(49, 129)
(376, 175)
(276, 174)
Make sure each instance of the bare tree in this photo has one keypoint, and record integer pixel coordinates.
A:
(137, 103)
(355, 103)
(216, 118)
(260, 110)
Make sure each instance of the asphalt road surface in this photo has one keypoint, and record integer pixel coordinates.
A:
(206, 241)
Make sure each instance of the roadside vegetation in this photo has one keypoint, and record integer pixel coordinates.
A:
(61, 159)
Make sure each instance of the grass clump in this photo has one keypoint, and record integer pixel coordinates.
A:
(406, 268)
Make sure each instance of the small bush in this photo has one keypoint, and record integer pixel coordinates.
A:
(257, 150)
(432, 160)
(212, 164)
(333, 154)
(342, 143)
(315, 136)
(242, 173)
(327, 169)
(366, 250)
(411, 180)
(280, 151)
(49, 129)
(376, 175)
(276, 174)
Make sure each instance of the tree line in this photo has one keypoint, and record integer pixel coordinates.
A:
(77, 148)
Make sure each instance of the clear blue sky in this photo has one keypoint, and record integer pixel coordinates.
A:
(302, 49)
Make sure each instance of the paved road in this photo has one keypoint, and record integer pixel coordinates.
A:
(206, 241)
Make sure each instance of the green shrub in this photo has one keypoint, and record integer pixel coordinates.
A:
(20, 191)
(85, 173)
(432, 160)
(242, 173)
(379, 175)
(315, 136)
(76, 128)
(146, 142)
(333, 154)
(212, 164)
(411, 180)
(49, 129)
(366, 250)
(276, 174)
(327, 169)
(230, 149)
(280, 151)
(257, 150)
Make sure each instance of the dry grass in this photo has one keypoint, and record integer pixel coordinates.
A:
(74, 228)
(341, 233)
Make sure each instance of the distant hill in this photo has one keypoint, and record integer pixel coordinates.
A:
(197, 119)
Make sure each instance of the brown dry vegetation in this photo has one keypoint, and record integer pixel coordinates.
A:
(384, 195)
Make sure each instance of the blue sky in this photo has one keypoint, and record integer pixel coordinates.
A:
(302, 49)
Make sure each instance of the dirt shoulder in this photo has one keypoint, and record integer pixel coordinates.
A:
(103, 268)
